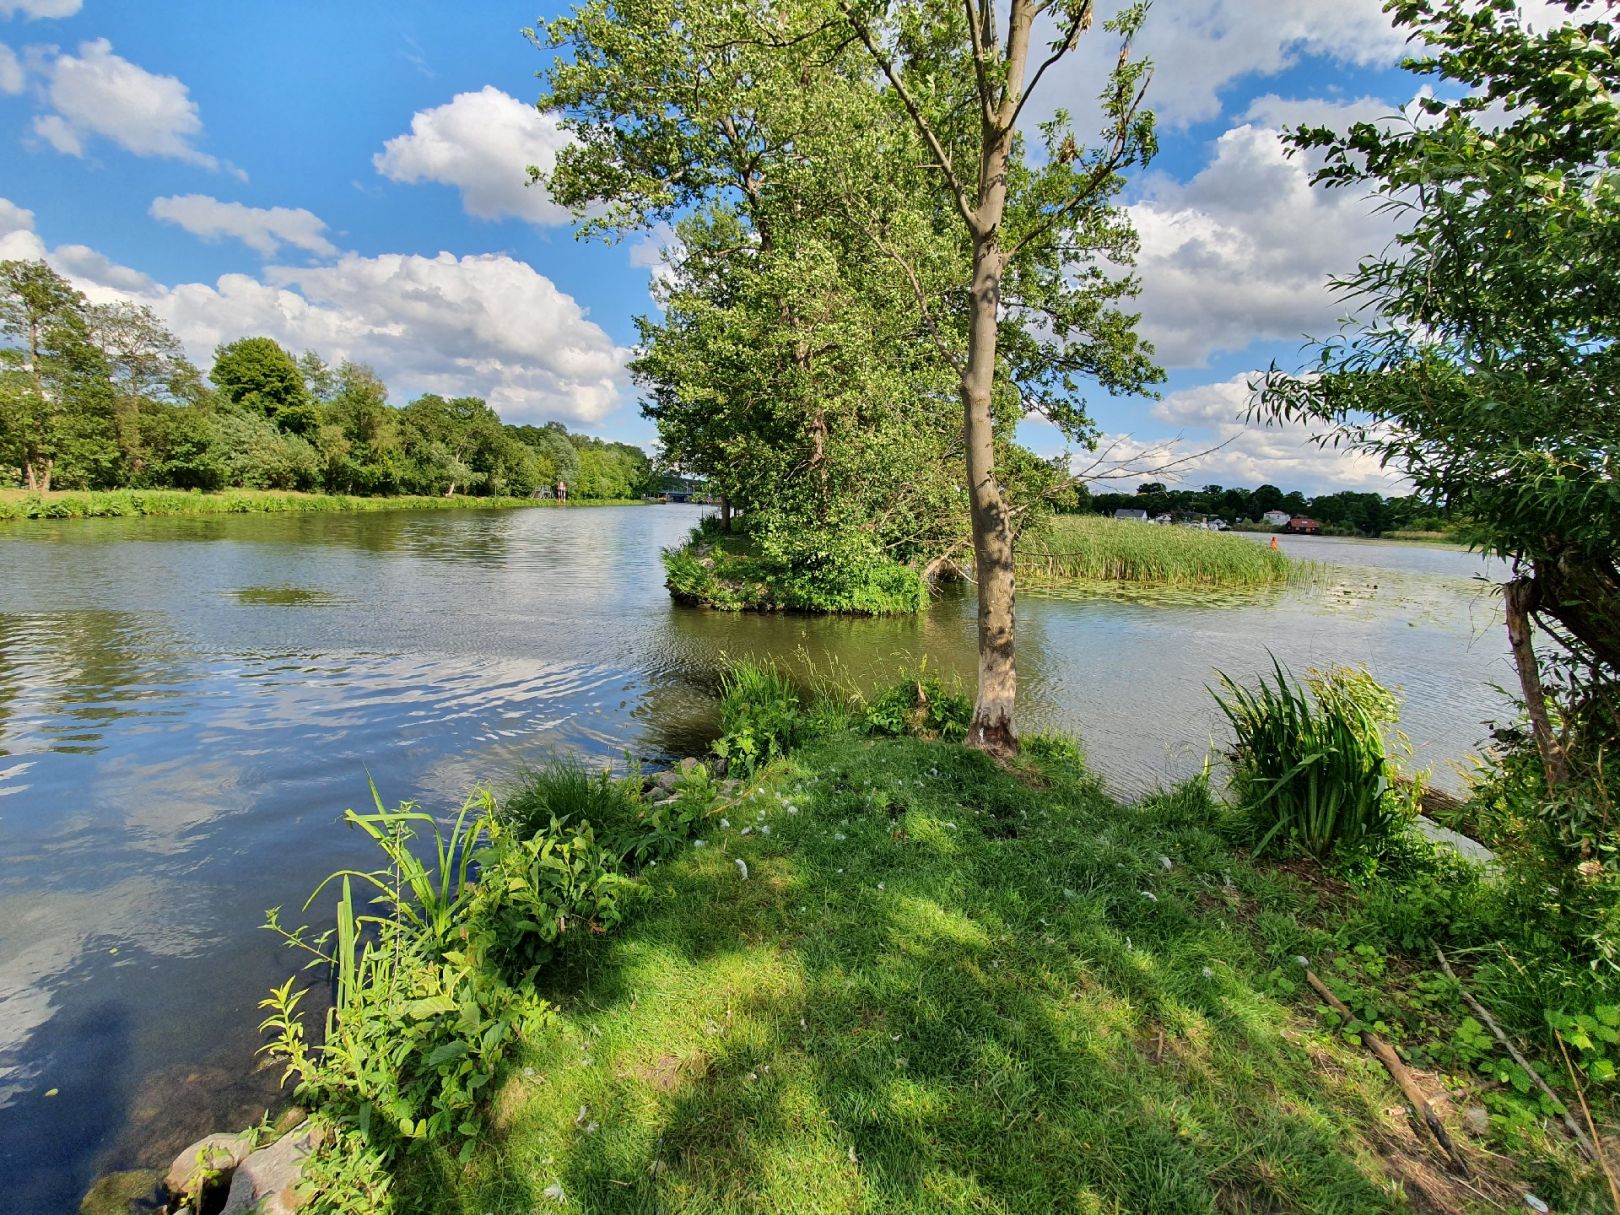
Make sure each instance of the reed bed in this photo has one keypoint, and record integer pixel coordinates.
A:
(125, 503)
(1095, 549)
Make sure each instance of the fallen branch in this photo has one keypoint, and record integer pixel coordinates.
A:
(1573, 1127)
(1575, 1083)
(1398, 1072)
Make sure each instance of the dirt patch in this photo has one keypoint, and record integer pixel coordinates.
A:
(663, 1074)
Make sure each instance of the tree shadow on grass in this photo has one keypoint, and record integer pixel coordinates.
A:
(956, 1017)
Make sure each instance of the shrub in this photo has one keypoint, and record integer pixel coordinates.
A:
(419, 1019)
(435, 983)
(921, 706)
(1312, 770)
(759, 716)
(727, 571)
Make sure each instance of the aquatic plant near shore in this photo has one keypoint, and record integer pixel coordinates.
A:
(1312, 768)
(434, 983)
(1074, 547)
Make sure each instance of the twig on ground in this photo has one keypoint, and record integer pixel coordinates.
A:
(1574, 1128)
(1398, 1072)
(1575, 1083)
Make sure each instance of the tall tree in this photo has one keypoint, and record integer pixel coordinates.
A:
(1042, 237)
(255, 373)
(47, 315)
(146, 366)
(788, 366)
(1487, 362)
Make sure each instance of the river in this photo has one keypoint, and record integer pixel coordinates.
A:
(188, 705)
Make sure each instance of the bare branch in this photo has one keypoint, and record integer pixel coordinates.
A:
(1104, 169)
(979, 52)
(969, 214)
(1071, 39)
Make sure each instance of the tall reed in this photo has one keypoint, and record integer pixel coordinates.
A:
(1095, 549)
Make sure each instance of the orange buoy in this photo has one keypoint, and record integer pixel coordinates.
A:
(1274, 542)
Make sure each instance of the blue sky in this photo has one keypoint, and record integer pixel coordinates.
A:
(348, 177)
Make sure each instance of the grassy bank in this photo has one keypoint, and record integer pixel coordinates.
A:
(1094, 549)
(875, 971)
(17, 504)
(717, 570)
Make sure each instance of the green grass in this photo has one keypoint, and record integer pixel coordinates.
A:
(946, 987)
(119, 503)
(1094, 549)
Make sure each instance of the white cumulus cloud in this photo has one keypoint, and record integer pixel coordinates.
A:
(263, 229)
(18, 241)
(97, 93)
(1200, 47)
(479, 325)
(1212, 443)
(1243, 252)
(482, 144)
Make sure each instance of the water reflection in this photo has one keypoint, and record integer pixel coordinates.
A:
(188, 705)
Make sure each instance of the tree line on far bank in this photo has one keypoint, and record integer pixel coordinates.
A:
(1345, 511)
(102, 396)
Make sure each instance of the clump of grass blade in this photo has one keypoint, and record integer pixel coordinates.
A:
(1312, 769)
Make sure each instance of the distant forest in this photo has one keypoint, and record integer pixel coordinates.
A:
(1346, 512)
(102, 396)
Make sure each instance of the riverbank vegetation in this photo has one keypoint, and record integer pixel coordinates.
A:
(130, 503)
(103, 397)
(844, 349)
(1082, 548)
(1343, 513)
(875, 970)
(719, 568)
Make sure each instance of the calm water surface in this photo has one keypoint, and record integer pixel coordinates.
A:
(188, 705)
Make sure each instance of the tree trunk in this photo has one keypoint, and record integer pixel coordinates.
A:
(1584, 597)
(1517, 598)
(43, 475)
(725, 513)
(992, 726)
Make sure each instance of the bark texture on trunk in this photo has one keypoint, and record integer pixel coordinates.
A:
(992, 726)
(1518, 597)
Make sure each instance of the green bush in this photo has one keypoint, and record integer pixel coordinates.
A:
(759, 716)
(420, 1019)
(725, 571)
(922, 706)
(435, 981)
(1312, 769)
